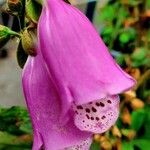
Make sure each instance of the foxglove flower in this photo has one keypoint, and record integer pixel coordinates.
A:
(71, 86)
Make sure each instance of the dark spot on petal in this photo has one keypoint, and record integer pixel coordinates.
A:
(92, 118)
(93, 109)
(76, 112)
(101, 104)
(103, 117)
(97, 118)
(90, 102)
(97, 104)
(109, 101)
(79, 107)
(83, 121)
(87, 110)
(87, 116)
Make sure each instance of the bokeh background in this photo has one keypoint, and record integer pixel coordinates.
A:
(124, 26)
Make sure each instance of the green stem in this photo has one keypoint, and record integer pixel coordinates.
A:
(22, 16)
(15, 33)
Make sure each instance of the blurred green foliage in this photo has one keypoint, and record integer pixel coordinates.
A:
(127, 34)
(15, 129)
(126, 29)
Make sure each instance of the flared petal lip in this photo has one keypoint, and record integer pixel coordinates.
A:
(96, 95)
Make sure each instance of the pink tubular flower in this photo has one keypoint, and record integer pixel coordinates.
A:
(71, 86)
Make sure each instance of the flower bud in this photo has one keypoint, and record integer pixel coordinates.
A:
(5, 35)
(128, 133)
(129, 95)
(137, 103)
(97, 137)
(15, 6)
(126, 117)
(28, 43)
(106, 145)
(135, 72)
(116, 132)
(118, 144)
(131, 134)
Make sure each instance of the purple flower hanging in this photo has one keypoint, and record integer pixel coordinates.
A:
(71, 86)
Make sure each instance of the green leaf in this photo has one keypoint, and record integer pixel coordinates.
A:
(21, 56)
(107, 30)
(124, 38)
(95, 146)
(120, 59)
(106, 33)
(26, 127)
(125, 132)
(135, 2)
(139, 54)
(8, 139)
(140, 57)
(123, 13)
(127, 35)
(146, 94)
(33, 10)
(147, 123)
(15, 120)
(20, 147)
(108, 13)
(138, 118)
(143, 144)
(127, 146)
(12, 133)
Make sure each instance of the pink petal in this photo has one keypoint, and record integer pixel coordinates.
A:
(77, 59)
(44, 107)
(84, 145)
(97, 116)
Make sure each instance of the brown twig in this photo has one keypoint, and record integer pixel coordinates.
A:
(142, 79)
